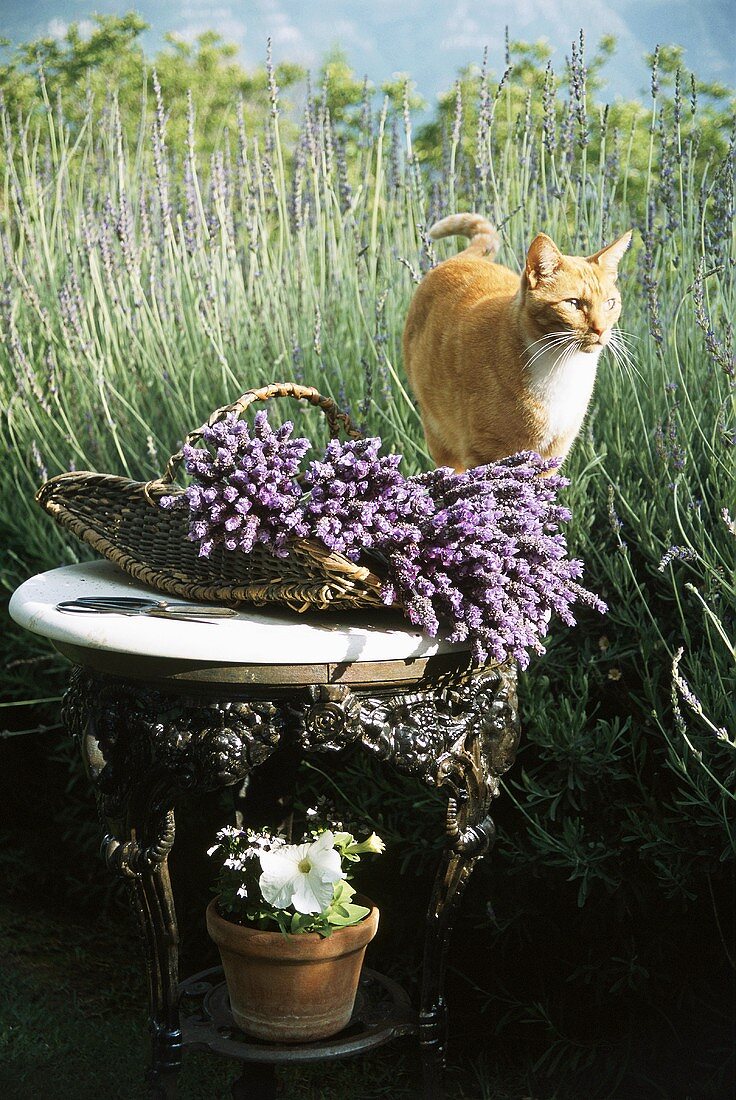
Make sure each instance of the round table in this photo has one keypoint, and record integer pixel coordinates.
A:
(161, 708)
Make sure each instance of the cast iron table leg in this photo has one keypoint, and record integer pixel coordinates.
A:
(150, 889)
(142, 748)
(450, 882)
(134, 800)
(460, 733)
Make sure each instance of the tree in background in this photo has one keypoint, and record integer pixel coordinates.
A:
(76, 69)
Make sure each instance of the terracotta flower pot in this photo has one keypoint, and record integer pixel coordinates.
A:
(291, 988)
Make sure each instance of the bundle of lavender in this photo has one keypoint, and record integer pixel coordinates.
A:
(478, 555)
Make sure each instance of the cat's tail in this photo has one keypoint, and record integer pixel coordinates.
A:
(484, 238)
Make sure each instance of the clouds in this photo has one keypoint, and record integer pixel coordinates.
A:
(266, 19)
(348, 34)
(462, 29)
(57, 28)
(286, 36)
(198, 18)
(470, 26)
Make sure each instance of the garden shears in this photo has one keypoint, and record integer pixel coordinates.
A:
(140, 605)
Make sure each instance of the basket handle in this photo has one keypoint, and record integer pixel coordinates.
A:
(337, 420)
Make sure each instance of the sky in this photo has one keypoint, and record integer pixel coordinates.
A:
(429, 39)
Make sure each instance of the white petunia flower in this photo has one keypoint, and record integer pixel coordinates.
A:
(372, 844)
(302, 875)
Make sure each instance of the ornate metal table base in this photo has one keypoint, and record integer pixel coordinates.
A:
(145, 744)
(382, 1012)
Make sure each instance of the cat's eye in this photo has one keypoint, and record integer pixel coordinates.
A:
(611, 303)
(574, 302)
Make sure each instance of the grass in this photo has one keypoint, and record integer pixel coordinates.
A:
(141, 288)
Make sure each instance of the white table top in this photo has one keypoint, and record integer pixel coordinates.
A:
(255, 636)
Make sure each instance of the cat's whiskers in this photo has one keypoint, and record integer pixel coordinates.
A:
(567, 348)
(551, 340)
(627, 339)
(622, 339)
(562, 346)
(615, 355)
(549, 336)
(624, 346)
(621, 354)
(566, 355)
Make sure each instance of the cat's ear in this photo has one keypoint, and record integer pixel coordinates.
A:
(610, 257)
(542, 259)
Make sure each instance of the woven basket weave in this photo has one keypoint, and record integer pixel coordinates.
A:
(122, 520)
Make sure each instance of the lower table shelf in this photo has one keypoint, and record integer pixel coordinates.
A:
(382, 1012)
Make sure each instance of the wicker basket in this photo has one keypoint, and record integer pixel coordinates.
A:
(122, 520)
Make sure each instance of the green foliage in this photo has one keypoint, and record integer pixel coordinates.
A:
(145, 282)
(75, 66)
(344, 93)
(77, 72)
(80, 984)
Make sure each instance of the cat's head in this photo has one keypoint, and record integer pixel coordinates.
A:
(572, 293)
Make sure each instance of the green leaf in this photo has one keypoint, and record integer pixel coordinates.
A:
(343, 892)
(354, 914)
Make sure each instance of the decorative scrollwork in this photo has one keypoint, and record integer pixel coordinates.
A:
(441, 733)
(411, 730)
(128, 858)
(473, 840)
(126, 729)
(143, 747)
(330, 721)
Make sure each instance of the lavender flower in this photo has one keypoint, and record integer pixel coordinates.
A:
(246, 491)
(729, 521)
(160, 163)
(345, 190)
(667, 446)
(655, 73)
(676, 553)
(488, 558)
(650, 277)
(484, 124)
(578, 76)
(549, 124)
(677, 103)
(38, 462)
(358, 500)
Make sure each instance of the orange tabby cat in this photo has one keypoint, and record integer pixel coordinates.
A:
(501, 363)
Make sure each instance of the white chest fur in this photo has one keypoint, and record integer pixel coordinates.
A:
(563, 385)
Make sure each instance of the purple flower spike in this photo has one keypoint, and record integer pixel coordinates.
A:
(487, 558)
(244, 489)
